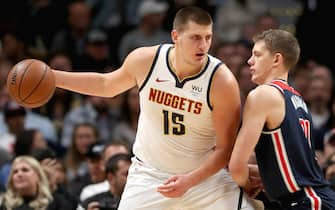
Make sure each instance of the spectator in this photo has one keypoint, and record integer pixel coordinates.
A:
(56, 177)
(110, 149)
(265, 21)
(116, 18)
(14, 117)
(72, 38)
(149, 31)
(29, 140)
(26, 142)
(41, 20)
(27, 187)
(95, 160)
(232, 15)
(126, 129)
(112, 14)
(5, 67)
(96, 54)
(329, 147)
(84, 135)
(117, 171)
(96, 170)
(243, 76)
(94, 110)
(300, 78)
(231, 54)
(319, 99)
(329, 170)
(14, 46)
(17, 118)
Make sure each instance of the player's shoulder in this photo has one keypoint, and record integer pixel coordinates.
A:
(141, 58)
(224, 76)
(222, 70)
(264, 90)
(144, 53)
(264, 94)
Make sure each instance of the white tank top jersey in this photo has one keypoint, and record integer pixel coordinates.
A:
(175, 130)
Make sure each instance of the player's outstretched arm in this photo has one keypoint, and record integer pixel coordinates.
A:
(131, 73)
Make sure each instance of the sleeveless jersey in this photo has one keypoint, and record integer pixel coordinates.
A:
(175, 130)
(286, 155)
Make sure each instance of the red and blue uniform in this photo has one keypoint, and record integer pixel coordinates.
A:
(287, 160)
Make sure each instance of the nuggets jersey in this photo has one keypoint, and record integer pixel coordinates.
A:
(285, 155)
(175, 130)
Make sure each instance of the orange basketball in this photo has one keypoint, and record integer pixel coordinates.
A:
(31, 83)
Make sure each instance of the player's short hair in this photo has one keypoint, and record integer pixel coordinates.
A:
(283, 42)
(191, 13)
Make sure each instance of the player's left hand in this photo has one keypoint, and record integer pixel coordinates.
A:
(175, 186)
(254, 185)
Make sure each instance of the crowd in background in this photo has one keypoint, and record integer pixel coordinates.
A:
(70, 135)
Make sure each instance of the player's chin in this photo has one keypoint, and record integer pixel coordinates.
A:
(255, 79)
(198, 61)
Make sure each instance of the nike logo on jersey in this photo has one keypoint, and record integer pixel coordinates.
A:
(161, 80)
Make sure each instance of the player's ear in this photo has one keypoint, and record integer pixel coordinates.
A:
(174, 35)
(277, 59)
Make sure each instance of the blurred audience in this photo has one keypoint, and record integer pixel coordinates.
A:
(26, 142)
(96, 170)
(95, 110)
(14, 118)
(11, 124)
(5, 66)
(126, 129)
(42, 19)
(84, 134)
(149, 31)
(309, 22)
(110, 149)
(14, 46)
(318, 99)
(300, 78)
(56, 177)
(116, 169)
(232, 15)
(243, 76)
(72, 38)
(329, 170)
(96, 53)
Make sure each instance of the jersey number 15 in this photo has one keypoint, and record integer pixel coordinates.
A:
(173, 123)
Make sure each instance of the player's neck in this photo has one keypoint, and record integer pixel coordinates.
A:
(281, 76)
(181, 68)
(281, 79)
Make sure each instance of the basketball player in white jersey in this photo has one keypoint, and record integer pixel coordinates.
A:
(190, 112)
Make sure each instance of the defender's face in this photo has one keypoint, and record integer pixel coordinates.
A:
(260, 63)
(193, 42)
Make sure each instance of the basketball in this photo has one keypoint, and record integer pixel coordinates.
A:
(31, 83)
